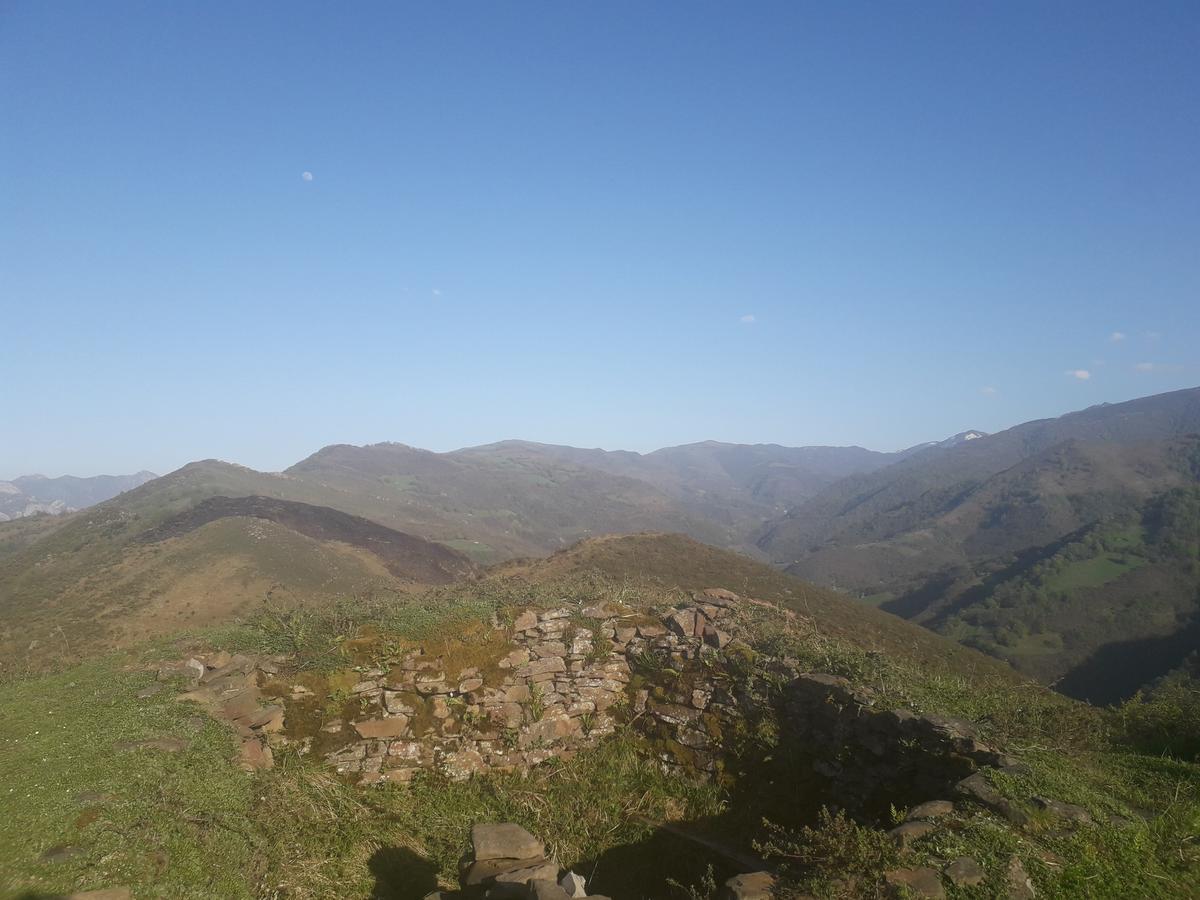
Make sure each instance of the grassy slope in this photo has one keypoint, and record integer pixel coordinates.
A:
(189, 825)
(679, 562)
(112, 592)
(514, 503)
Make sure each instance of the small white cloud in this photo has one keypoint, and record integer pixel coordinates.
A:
(437, 292)
(306, 176)
(1144, 367)
(1116, 337)
(1080, 374)
(989, 391)
(748, 319)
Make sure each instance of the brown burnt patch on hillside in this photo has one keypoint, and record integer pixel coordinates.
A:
(405, 556)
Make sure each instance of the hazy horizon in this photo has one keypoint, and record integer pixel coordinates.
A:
(280, 466)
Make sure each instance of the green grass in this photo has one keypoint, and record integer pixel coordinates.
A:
(159, 819)
(1093, 573)
(478, 551)
(190, 825)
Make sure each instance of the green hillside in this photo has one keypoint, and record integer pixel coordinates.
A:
(1044, 545)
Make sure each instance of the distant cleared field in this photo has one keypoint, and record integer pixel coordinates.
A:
(1093, 573)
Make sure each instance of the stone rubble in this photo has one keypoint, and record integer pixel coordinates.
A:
(560, 679)
(506, 862)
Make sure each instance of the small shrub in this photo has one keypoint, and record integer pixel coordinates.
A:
(1164, 722)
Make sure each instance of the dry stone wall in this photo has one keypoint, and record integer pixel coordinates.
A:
(562, 681)
(553, 681)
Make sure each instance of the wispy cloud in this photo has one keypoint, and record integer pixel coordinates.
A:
(989, 391)
(1116, 337)
(748, 319)
(306, 176)
(1080, 374)
(1159, 367)
(437, 292)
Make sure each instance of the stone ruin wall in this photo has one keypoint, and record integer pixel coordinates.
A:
(566, 679)
(561, 679)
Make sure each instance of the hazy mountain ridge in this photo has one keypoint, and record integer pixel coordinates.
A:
(31, 495)
(735, 485)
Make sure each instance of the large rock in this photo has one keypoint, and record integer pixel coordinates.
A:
(504, 841)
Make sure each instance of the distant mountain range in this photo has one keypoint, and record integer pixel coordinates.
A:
(951, 535)
(31, 495)
(1069, 547)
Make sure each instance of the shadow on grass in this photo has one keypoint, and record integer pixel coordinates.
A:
(401, 874)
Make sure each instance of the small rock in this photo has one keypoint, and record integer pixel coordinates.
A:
(715, 637)
(921, 882)
(1020, 885)
(976, 787)
(574, 885)
(1060, 810)
(683, 622)
(504, 841)
(749, 886)
(149, 691)
(392, 727)
(525, 621)
(931, 809)
(254, 755)
(905, 834)
(965, 872)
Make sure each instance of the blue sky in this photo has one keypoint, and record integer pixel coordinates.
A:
(624, 225)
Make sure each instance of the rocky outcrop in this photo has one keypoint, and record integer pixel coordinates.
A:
(228, 688)
(506, 862)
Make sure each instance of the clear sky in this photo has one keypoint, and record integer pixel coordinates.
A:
(247, 230)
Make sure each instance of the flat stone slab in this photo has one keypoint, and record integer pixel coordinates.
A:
(931, 809)
(921, 882)
(904, 835)
(504, 841)
(965, 872)
(749, 886)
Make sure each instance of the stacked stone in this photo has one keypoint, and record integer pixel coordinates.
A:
(506, 862)
(554, 695)
(227, 686)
